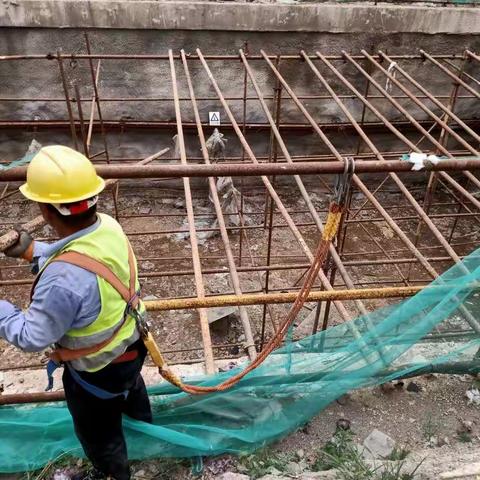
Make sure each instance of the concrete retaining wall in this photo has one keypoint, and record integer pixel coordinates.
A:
(323, 17)
(146, 27)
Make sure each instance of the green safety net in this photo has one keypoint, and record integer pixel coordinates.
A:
(436, 330)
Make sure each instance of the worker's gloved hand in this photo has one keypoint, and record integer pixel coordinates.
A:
(23, 248)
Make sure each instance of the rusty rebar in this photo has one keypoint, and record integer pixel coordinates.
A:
(202, 313)
(454, 77)
(249, 341)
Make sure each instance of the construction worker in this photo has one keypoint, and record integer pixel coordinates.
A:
(88, 314)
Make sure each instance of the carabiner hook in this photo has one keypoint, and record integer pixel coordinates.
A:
(343, 181)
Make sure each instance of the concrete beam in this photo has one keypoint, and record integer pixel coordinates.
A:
(158, 15)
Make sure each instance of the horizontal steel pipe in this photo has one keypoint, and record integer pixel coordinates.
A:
(240, 170)
(270, 298)
(39, 397)
(168, 125)
(106, 56)
(453, 368)
(204, 99)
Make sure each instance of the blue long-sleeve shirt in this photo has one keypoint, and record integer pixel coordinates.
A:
(65, 297)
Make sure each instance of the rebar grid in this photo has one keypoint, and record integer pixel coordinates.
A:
(393, 230)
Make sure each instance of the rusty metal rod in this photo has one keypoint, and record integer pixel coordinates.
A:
(146, 276)
(168, 125)
(205, 99)
(63, 77)
(454, 77)
(269, 208)
(256, 169)
(473, 55)
(256, 268)
(192, 56)
(97, 97)
(140, 233)
(244, 318)
(462, 72)
(83, 131)
(287, 297)
(393, 155)
(92, 110)
(202, 313)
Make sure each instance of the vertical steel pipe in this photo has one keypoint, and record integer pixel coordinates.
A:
(97, 97)
(63, 77)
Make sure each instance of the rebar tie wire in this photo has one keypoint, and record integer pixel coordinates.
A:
(336, 208)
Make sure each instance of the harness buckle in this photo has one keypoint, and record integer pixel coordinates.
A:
(139, 317)
(142, 322)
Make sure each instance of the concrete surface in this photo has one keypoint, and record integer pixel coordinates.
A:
(324, 17)
(149, 27)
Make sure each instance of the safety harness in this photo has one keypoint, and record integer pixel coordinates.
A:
(130, 295)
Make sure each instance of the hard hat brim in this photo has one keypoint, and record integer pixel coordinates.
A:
(54, 198)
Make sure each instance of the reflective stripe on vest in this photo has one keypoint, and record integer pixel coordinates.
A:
(108, 245)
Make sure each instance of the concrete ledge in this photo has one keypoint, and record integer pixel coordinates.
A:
(324, 17)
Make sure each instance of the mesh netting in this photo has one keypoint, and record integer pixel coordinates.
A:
(436, 330)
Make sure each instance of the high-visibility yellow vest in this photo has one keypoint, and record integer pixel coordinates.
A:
(109, 245)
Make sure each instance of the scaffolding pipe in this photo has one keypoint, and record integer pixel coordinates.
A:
(256, 169)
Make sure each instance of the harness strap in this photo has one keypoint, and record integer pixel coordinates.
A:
(93, 389)
(133, 275)
(94, 266)
(100, 269)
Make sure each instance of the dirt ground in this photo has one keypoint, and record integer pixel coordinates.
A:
(440, 410)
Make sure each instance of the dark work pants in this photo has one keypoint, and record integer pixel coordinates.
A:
(98, 423)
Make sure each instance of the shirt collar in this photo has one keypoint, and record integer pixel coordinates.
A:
(59, 244)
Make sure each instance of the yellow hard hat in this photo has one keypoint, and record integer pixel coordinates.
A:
(59, 174)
